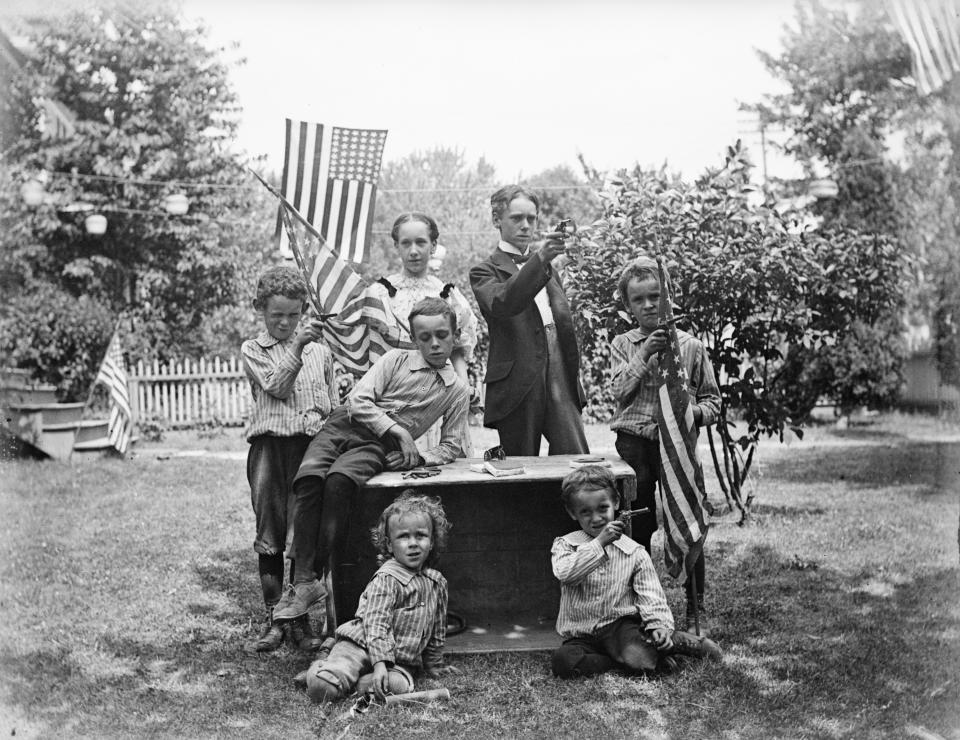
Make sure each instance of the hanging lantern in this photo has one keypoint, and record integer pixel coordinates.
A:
(823, 189)
(95, 224)
(176, 204)
(32, 193)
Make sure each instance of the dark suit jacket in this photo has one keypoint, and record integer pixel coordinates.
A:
(505, 293)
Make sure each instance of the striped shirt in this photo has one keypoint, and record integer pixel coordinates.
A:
(599, 585)
(291, 395)
(403, 388)
(635, 383)
(401, 617)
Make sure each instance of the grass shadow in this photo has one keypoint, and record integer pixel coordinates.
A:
(855, 648)
(232, 573)
(931, 464)
(137, 689)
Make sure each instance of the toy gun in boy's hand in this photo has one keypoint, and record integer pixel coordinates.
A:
(626, 516)
(664, 323)
(567, 227)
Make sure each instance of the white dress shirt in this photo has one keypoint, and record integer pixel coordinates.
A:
(542, 299)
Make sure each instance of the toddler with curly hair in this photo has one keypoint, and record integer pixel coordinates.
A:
(401, 619)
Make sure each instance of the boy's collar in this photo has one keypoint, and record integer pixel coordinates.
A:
(637, 335)
(403, 574)
(579, 538)
(266, 339)
(447, 374)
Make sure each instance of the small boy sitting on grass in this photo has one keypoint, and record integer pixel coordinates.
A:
(613, 611)
(398, 399)
(294, 389)
(401, 620)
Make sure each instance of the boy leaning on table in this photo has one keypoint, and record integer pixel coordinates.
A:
(397, 400)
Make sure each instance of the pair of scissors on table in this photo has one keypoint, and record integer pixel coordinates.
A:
(420, 473)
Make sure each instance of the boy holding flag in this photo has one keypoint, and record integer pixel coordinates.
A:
(665, 390)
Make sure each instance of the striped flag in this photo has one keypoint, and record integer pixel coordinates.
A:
(355, 327)
(330, 176)
(681, 491)
(114, 376)
(931, 29)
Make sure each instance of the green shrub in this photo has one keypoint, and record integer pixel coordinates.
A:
(60, 338)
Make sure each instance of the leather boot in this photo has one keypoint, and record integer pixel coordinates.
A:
(272, 636)
(696, 647)
(302, 634)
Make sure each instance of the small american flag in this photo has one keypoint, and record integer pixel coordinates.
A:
(113, 375)
(330, 176)
(931, 29)
(681, 492)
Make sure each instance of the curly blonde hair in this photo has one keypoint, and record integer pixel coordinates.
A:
(411, 502)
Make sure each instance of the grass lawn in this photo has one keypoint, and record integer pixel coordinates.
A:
(129, 595)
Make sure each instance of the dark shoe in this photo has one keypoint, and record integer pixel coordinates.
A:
(270, 639)
(297, 600)
(302, 634)
(667, 664)
(696, 647)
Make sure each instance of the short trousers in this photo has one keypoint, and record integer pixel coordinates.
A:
(272, 462)
(345, 447)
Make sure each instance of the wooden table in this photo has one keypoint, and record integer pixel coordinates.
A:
(497, 562)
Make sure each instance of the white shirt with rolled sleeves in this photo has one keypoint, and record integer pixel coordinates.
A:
(403, 388)
(600, 585)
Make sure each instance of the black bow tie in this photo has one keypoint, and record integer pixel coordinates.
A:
(519, 258)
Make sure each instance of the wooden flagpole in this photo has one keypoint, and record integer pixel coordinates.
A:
(288, 208)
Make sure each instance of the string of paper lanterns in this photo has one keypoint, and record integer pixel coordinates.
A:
(34, 194)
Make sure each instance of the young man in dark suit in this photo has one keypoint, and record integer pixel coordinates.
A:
(533, 386)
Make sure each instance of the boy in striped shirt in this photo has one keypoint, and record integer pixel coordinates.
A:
(401, 620)
(613, 611)
(294, 389)
(634, 359)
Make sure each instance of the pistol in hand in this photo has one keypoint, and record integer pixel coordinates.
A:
(626, 516)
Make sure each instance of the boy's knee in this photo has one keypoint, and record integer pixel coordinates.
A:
(564, 660)
(309, 485)
(399, 681)
(640, 657)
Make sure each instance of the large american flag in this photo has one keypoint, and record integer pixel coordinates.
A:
(330, 176)
(931, 29)
(681, 491)
(113, 374)
(356, 327)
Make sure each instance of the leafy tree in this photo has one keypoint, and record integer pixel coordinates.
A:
(441, 183)
(847, 71)
(756, 293)
(153, 106)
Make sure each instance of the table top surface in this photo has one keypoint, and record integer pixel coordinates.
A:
(549, 468)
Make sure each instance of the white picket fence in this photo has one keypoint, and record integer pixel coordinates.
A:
(190, 392)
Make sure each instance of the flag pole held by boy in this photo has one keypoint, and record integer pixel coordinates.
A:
(681, 489)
